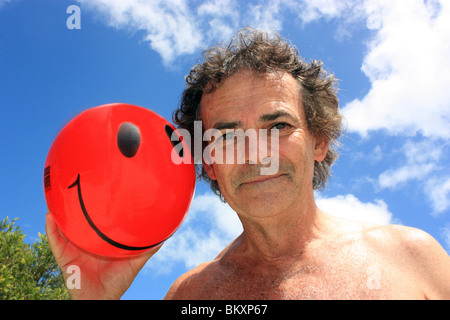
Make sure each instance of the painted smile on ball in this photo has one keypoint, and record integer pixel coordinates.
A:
(128, 142)
(77, 184)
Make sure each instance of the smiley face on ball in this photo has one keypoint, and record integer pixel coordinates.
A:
(111, 183)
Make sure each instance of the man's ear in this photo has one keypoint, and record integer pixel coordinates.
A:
(209, 170)
(321, 146)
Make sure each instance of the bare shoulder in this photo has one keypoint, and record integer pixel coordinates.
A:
(390, 238)
(411, 241)
(188, 285)
(417, 252)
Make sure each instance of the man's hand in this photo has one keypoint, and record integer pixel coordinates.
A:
(101, 277)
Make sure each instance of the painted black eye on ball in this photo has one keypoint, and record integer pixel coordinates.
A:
(128, 139)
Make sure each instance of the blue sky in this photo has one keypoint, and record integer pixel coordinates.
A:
(391, 58)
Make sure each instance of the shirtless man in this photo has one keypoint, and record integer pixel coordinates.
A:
(289, 248)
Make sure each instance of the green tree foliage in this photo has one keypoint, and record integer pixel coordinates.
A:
(27, 271)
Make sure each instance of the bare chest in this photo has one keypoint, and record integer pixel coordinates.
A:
(335, 279)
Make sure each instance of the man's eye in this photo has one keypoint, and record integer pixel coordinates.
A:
(228, 135)
(280, 125)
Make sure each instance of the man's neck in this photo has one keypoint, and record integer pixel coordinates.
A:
(282, 239)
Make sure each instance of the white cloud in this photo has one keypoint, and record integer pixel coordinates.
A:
(438, 192)
(312, 10)
(350, 207)
(221, 18)
(407, 64)
(169, 26)
(421, 159)
(424, 162)
(394, 177)
(265, 16)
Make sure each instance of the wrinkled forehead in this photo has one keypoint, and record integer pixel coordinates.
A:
(248, 93)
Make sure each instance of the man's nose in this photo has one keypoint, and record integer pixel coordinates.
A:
(257, 148)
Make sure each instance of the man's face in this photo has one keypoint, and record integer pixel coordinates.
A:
(246, 101)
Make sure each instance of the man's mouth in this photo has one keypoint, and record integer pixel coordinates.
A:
(262, 179)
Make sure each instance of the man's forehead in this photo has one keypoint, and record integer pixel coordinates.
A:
(245, 89)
